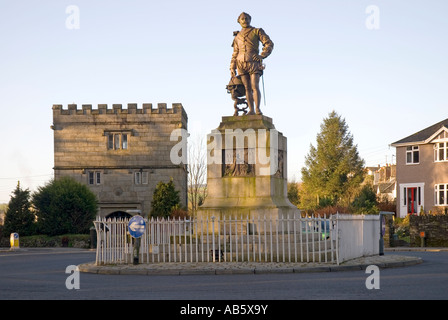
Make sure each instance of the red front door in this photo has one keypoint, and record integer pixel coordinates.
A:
(412, 200)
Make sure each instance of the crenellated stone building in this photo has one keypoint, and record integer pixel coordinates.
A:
(120, 153)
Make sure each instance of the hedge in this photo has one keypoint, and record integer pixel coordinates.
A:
(66, 240)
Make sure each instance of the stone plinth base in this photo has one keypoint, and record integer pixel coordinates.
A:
(246, 171)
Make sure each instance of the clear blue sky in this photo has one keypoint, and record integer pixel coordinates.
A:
(387, 83)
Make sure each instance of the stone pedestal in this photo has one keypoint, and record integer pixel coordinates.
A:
(247, 171)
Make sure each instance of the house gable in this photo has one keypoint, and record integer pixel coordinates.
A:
(424, 136)
(438, 136)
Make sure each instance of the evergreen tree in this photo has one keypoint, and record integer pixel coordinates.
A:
(334, 169)
(64, 206)
(293, 193)
(366, 201)
(165, 199)
(18, 216)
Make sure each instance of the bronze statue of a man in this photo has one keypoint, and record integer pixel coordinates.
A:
(247, 61)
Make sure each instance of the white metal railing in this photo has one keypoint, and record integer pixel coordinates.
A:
(335, 239)
(237, 239)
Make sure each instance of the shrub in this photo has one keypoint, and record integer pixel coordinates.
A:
(402, 226)
(71, 240)
(64, 206)
(329, 210)
(165, 199)
(365, 202)
(179, 213)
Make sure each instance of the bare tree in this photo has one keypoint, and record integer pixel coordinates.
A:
(197, 173)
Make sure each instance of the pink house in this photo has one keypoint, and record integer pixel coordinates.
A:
(422, 170)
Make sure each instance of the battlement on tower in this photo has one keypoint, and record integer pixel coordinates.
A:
(117, 109)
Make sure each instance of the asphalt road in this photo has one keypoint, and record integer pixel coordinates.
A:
(40, 274)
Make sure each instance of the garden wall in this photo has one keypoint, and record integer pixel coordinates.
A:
(434, 227)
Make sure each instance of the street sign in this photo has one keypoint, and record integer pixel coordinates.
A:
(137, 226)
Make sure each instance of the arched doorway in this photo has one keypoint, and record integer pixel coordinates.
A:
(119, 215)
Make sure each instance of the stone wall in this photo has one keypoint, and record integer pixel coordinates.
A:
(435, 228)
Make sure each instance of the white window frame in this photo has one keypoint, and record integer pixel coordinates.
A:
(438, 146)
(412, 150)
(437, 189)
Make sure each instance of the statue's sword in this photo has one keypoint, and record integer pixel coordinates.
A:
(264, 97)
(262, 81)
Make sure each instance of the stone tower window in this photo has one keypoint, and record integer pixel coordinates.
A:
(141, 177)
(117, 140)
